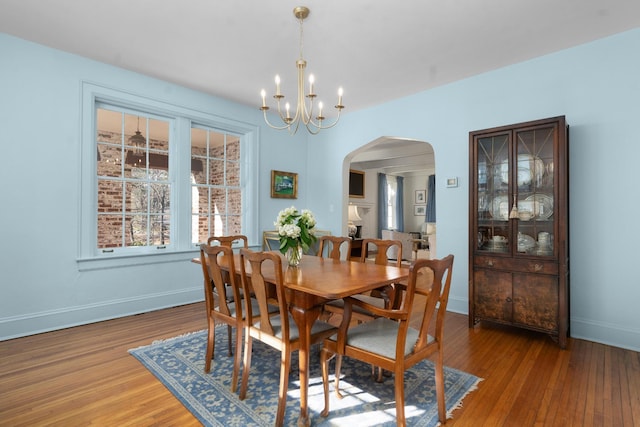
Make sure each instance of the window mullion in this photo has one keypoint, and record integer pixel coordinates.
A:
(180, 180)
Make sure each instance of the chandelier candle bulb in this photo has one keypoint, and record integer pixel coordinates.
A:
(340, 92)
(311, 80)
(277, 85)
(263, 93)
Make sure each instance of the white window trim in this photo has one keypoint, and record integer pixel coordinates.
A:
(181, 248)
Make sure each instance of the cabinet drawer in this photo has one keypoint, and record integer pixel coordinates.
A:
(519, 265)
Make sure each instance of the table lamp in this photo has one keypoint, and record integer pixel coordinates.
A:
(353, 216)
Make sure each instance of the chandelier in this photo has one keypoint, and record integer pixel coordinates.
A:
(138, 140)
(304, 112)
(137, 156)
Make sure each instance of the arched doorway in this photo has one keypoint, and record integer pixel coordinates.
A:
(412, 159)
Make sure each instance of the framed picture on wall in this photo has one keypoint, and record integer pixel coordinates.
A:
(419, 210)
(356, 183)
(421, 197)
(284, 185)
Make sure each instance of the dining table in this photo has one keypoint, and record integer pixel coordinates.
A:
(316, 281)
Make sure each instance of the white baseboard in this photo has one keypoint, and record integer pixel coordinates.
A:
(35, 323)
(604, 333)
(589, 330)
(458, 305)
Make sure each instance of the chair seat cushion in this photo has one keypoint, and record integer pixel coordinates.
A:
(228, 292)
(379, 336)
(255, 308)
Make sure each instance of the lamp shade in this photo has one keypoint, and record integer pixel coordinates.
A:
(353, 213)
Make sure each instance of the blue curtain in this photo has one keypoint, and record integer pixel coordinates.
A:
(431, 199)
(400, 204)
(382, 203)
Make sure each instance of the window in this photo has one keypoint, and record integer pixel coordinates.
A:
(134, 189)
(392, 189)
(216, 195)
(158, 179)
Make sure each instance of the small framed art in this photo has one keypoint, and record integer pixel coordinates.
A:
(284, 185)
(419, 210)
(421, 197)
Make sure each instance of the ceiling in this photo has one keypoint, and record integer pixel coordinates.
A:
(376, 50)
(396, 156)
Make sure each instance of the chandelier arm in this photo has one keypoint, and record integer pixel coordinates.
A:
(287, 122)
(280, 111)
(313, 130)
(335, 122)
(308, 113)
(320, 126)
(273, 126)
(294, 130)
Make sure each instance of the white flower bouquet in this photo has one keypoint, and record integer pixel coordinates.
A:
(296, 229)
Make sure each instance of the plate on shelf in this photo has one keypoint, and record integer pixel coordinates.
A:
(525, 242)
(495, 246)
(529, 167)
(500, 208)
(544, 204)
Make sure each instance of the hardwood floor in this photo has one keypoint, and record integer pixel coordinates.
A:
(84, 375)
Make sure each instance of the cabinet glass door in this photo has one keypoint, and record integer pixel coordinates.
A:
(494, 174)
(535, 190)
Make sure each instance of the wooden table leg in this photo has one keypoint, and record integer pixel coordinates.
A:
(304, 319)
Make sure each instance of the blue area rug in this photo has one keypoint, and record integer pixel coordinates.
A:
(179, 364)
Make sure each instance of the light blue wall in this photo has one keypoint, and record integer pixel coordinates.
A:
(595, 86)
(41, 287)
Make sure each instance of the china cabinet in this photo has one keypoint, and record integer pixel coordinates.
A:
(519, 226)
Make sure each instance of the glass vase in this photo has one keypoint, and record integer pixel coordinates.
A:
(294, 255)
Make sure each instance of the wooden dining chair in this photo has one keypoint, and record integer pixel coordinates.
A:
(334, 247)
(314, 248)
(389, 341)
(278, 331)
(383, 297)
(217, 262)
(228, 241)
(381, 248)
(223, 310)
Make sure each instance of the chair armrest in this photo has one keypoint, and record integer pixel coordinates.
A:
(377, 311)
